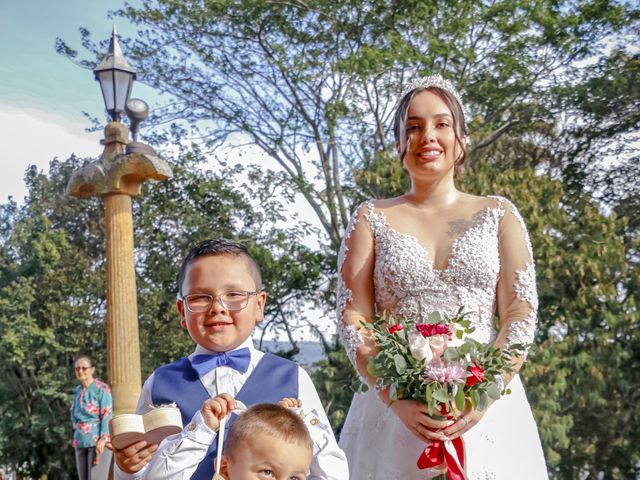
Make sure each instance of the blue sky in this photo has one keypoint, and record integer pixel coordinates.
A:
(43, 94)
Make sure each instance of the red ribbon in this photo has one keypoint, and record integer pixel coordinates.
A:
(435, 455)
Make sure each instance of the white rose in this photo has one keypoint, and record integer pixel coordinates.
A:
(419, 346)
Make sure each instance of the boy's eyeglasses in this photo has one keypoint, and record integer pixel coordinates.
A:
(82, 369)
(232, 301)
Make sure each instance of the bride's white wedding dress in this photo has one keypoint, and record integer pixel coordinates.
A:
(490, 266)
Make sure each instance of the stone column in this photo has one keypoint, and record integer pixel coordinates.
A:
(116, 177)
(122, 308)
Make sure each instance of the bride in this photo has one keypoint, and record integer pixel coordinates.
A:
(437, 248)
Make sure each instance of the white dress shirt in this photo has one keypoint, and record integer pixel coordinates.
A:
(179, 455)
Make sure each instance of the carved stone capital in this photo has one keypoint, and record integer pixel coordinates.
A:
(116, 171)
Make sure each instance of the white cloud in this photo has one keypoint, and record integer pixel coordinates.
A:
(35, 137)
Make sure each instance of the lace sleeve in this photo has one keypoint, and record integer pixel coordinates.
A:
(516, 293)
(355, 284)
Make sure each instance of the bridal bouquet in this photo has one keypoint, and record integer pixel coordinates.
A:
(435, 363)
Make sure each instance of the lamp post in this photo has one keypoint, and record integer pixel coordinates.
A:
(116, 177)
(116, 78)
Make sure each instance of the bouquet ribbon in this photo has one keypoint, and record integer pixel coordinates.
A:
(437, 454)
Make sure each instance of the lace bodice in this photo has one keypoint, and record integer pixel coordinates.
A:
(490, 265)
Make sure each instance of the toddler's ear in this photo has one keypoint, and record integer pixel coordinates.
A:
(224, 467)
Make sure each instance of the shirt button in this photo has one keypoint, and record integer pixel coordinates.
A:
(314, 421)
(192, 426)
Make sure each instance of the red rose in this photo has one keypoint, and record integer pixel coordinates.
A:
(395, 328)
(476, 376)
(429, 330)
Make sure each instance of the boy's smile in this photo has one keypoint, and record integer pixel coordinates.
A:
(220, 329)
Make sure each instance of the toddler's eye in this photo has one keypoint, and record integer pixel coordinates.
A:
(267, 473)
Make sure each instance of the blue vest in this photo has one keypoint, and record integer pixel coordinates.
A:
(273, 379)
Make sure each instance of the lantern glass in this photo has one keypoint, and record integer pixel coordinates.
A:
(105, 78)
(123, 83)
(116, 88)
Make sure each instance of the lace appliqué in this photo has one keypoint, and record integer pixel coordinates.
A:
(407, 284)
(349, 334)
(523, 331)
(351, 340)
(344, 294)
(525, 286)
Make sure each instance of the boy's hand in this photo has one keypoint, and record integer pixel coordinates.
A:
(133, 458)
(290, 402)
(214, 409)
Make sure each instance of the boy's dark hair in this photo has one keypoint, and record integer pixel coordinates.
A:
(220, 246)
(274, 420)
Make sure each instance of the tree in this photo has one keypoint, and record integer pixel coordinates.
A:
(313, 83)
(583, 368)
(552, 89)
(198, 204)
(584, 365)
(52, 290)
(50, 299)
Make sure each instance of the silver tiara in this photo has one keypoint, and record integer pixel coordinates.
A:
(437, 81)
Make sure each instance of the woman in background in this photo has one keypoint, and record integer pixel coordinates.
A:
(90, 414)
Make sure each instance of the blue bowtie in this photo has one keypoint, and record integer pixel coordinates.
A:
(236, 359)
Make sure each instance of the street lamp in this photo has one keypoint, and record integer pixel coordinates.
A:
(116, 78)
(116, 177)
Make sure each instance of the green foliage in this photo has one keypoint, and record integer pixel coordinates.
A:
(50, 297)
(406, 356)
(582, 375)
(585, 366)
(553, 91)
(313, 84)
(52, 290)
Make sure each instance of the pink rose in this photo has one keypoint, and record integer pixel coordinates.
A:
(438, 344)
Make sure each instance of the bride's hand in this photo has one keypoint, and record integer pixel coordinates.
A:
(416, 418)
(463, 423)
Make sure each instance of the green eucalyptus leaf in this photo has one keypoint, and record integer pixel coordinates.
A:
(400, 363)
(493, 391)
(441, 395)
(460, 398)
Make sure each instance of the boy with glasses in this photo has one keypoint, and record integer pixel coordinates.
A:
(220, 301)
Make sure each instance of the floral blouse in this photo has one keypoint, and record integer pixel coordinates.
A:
(90, 414)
